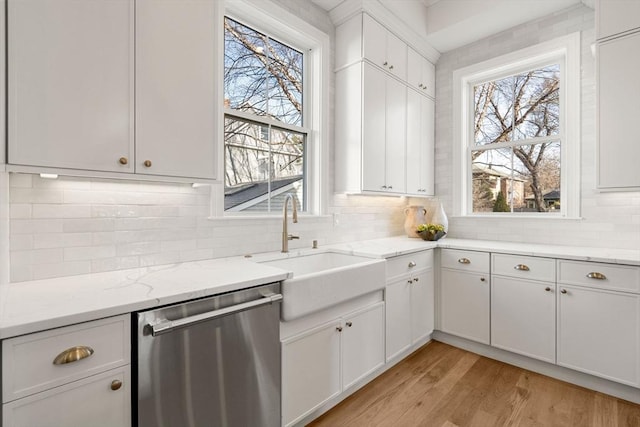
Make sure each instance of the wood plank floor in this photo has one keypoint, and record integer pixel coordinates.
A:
(443, 386)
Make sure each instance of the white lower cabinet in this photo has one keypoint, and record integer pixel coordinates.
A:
(599, 333)
(74, 376)
(321, 363)
(523, 317)
(464, 304)
(410, 303)
(102, 400)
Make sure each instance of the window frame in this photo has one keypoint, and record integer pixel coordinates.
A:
(564, 51)
(269, 18)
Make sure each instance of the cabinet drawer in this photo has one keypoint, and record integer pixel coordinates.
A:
(93, 401)
(403, 264)
(533, 268)
(593, 274)
(27, 361)
(465, 260)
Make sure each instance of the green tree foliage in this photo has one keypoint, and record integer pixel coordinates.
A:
(501, 204)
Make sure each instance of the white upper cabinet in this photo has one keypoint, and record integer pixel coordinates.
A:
(175, 99)
(70, 84)
(616, 16)
(618, 108)
(420, 144)
(383, 48)
(421, 74)
(84, 74)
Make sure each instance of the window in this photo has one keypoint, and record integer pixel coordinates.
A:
(518, 115)
(265, 138)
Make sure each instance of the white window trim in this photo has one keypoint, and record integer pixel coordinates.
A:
(264, 15)
(568, 49)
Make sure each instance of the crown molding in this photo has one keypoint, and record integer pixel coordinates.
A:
(377, 10)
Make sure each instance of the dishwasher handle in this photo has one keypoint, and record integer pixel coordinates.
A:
(164, 326)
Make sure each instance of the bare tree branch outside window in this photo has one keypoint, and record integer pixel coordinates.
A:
(263, 83)
(520, 114)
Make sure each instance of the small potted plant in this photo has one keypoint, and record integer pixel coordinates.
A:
(431, 232)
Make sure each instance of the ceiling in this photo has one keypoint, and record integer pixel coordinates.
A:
(449, 24)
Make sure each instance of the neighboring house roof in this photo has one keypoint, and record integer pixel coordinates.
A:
(244, 193)
(477, 170)
(551, 195)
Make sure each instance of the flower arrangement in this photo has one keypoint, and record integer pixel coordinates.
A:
(430, 231)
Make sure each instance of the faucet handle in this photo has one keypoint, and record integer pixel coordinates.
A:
(292, 237)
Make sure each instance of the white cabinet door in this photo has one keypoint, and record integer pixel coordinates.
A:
(618, 109)
(616, 16)
(384, 137)
(398, 318)
(373, 129)
(420, 73)
(310, 371)
(383, 48)
(464, 304)
(523, 317)
(422, 306)
(362, 344)
(599, 333)
(175, 88)
(395, 123)
(70, 84)
(420, 144)
(94, 401)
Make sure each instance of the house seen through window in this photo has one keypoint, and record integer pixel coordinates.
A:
(515, 154)
(264, 134)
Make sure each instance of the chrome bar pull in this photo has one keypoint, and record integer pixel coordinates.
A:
(596, 275)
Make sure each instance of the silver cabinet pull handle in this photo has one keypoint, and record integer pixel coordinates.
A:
(464, 261)
(596, 275)
(412, 264)
(521, 267)
(73, 354)
(165, 325)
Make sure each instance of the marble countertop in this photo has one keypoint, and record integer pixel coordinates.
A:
(27, 307)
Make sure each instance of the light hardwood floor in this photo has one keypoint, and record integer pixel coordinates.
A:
(443, 386)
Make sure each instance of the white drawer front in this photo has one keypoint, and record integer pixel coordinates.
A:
(27, 361)
(527, 267)
(465, 260)
(88, 402)
(403, 264)
(599, 275)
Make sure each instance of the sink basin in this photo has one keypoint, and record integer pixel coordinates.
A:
(321, 280)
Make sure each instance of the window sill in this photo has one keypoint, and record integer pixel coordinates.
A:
(518, 216)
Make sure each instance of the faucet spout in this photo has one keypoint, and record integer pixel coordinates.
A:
(285, 232)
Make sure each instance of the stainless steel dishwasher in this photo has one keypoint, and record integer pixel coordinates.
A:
(211, 362)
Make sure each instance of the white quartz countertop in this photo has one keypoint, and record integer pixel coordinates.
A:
(27, 307)
(33, 306)
(400, 245)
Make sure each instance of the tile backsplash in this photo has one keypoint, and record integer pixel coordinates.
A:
(72, 226)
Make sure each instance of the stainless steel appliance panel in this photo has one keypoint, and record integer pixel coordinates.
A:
(211, 362)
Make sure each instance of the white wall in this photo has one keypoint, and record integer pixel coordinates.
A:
(609, 219)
